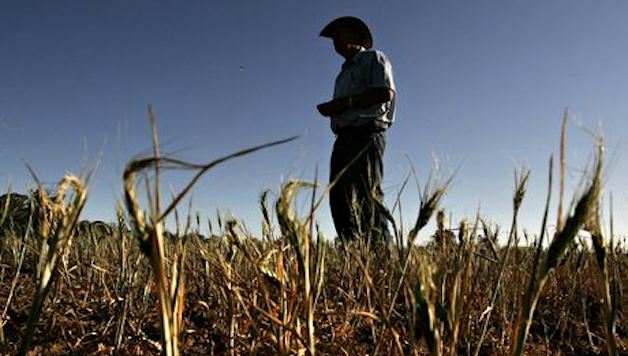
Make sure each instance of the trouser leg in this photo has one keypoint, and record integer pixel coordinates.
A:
(341, 191)
(373, 195)
(357, 197)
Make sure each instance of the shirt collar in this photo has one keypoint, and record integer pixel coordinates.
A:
(353, 60)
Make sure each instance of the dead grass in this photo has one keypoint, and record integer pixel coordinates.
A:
(134, 288)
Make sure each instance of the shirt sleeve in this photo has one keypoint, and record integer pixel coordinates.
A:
(380, 72)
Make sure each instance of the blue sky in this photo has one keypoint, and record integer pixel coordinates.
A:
(482, 86)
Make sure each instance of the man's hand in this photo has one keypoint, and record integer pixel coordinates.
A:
(333, 107)
(367, 99)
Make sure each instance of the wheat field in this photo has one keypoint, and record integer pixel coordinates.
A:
(132, 287)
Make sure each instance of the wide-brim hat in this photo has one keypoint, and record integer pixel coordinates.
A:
(351, 23)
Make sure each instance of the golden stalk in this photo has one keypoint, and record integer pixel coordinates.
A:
(60, 220)
(563, 237)
(151, 236)
(601, 249)
(298, 235)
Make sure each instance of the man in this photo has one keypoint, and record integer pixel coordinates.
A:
(362, 108)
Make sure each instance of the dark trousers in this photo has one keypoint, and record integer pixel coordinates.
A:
(356, 199)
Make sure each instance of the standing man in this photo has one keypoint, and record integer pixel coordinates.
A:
(362, 109)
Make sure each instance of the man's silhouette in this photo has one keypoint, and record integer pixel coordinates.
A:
(361, 110)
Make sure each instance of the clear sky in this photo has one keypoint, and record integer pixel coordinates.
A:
(481, 84)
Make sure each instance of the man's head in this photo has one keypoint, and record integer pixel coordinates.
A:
(349, 34)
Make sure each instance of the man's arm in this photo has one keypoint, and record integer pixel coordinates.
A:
(367, 99)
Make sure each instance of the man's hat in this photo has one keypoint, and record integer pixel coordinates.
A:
(351, 23)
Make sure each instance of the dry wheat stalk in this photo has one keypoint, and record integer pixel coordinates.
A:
(521, 183)
(57, 230)
(298, 234)
(562, 238)
(151, 234)
(601, 248)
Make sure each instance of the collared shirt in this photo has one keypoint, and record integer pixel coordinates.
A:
(367, 69)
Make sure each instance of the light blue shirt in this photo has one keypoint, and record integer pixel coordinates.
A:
(368, 69)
